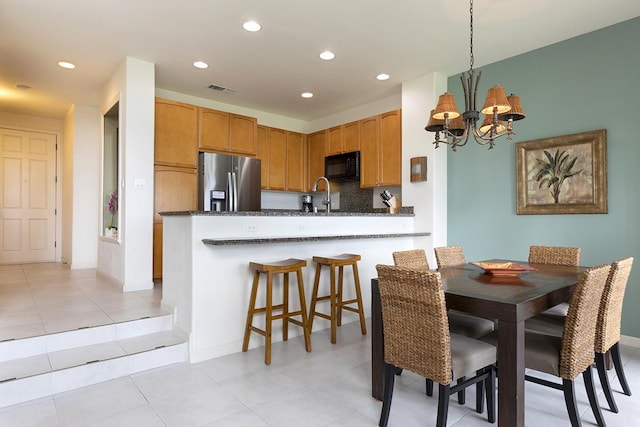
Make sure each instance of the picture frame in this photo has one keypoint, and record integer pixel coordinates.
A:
(562, 175)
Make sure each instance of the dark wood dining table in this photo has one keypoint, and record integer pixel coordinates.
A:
(510, 301)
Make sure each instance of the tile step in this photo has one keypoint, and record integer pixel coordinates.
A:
(41, 366)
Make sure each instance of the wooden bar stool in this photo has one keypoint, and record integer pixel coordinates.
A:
(285, 267)
(335, 296)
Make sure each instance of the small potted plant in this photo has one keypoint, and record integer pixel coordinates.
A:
(112, 229)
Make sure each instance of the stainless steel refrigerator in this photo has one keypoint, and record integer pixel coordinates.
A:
(228, 183)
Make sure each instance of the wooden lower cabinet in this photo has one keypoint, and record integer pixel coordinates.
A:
(175, 189)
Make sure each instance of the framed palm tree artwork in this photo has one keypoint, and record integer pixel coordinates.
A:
(562, 175)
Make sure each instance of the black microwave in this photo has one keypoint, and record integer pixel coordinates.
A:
(343, 167)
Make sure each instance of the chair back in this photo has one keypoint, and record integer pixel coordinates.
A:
(415, 324)
(578, 338)
(449, 256)
(610, 314)
(554, 255)
(414, 258)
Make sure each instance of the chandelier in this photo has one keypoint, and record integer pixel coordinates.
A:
(499, 111)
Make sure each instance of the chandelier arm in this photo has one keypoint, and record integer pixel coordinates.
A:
(465, 89)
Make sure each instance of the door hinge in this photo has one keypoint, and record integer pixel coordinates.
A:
(55, 211)
(55, 244)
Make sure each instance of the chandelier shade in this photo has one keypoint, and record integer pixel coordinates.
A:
(453, 128)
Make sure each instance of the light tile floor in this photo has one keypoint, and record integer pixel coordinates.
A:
(328, 387)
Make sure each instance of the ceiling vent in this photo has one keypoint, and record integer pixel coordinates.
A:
(222, 89)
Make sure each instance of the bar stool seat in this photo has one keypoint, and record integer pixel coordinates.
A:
(335, 297)
(291, 265)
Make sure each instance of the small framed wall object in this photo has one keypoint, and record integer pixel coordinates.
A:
(418, 169)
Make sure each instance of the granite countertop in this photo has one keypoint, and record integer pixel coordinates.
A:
(404, 212)
(263, 240)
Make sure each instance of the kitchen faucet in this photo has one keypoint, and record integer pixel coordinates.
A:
(327, 201)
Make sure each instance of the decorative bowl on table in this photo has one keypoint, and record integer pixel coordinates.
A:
(502, 268)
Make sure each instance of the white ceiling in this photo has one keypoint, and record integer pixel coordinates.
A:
(270, 69)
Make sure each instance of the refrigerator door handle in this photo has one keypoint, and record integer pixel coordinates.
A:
(234, 183)
(229, 192)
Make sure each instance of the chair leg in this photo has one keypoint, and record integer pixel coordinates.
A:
(389, 379)
(285, 307)
(617, 363)
(269, 319)
(490, 390)
(333, 304)
(356, 282)
(303, 310)
(570, 402)
(479, 394)
(314, 295)
(604, 381)
(429, 387)
(461, 394)
(443, 405)
(339, 295)
(252, 306)
(593, 399)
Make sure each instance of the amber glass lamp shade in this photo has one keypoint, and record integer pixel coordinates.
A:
(457, 126)
(496, 99)
(434, 125)
(488, 122)
(516, 112)
(446, 104)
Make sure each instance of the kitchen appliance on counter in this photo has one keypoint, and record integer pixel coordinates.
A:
(228, 183)
(307, 203)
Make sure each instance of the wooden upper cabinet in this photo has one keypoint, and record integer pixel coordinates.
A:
(317, 151)
(227, 132)
(369, 151)
(343, 139)
(390, 150)
(176, 133)
(277, 145)
(213, 130)
(262, 152)
(381, 150)
(295, 162)
(351, 137)
(242, 134)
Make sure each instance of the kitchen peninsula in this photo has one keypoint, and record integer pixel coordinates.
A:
(206, 276)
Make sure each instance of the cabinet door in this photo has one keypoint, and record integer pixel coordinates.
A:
(277, 146)
(351, 137)
(242, 134)
(369, 152)
(334, 141)
(317, 152)
(176, 133)
(262, 152)
(390, 148)
(295, 161)
(214, 130)
(175, 189)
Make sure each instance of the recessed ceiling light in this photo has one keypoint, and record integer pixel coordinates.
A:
(327, 55)
(68, 65)
(307, 95)
(200, 64)
(23, 86)
(383, 76)
(251, 26)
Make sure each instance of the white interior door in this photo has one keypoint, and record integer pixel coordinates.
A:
(27, 201)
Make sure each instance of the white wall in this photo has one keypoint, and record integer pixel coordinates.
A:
(137, 118)
(428, 198)
(84, 123)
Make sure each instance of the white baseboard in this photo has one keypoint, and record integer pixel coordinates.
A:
(630, 341)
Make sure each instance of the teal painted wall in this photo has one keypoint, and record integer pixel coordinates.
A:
(585, 83)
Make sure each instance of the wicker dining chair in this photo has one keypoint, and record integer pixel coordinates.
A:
(449, 256)
(571, 353)
(555, 255)
(417, 338)
(607, 327)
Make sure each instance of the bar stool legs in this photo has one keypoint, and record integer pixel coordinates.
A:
(285, 267)
(335, 297)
